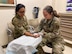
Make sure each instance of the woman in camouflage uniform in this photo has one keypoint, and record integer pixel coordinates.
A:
(50, 26)
(20, 22)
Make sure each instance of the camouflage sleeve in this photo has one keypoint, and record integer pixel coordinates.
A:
(40, 26)
(55, 32)
(27, 24)
(56, 26)
(18, 26)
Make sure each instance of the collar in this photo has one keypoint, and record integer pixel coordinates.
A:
(17, 16)
(48, 21)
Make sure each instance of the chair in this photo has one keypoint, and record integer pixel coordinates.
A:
(33, 22)
(10, 31)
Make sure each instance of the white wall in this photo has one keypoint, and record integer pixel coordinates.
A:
(60, 5)
(6, 14)
(32, 3)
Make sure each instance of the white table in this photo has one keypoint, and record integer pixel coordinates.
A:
(23, 45)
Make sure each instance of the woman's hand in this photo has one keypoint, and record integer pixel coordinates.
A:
(36, 35)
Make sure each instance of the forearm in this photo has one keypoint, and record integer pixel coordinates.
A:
(28, 34)
(31, 35)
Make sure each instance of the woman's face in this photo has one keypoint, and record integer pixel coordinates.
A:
(47, 15)
(21, 12)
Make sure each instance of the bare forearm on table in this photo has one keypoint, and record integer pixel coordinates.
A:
(28, 34)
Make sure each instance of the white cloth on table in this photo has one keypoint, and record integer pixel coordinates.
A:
(24, 43)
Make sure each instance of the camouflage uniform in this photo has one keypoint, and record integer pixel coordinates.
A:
(21, 26)
(52, 37)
